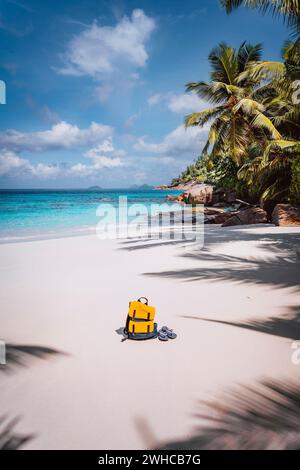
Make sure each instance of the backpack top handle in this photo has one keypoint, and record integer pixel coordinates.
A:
(145, 298)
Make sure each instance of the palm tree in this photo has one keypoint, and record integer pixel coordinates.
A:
(288, 9)
(288, 69)
(281, 103)
(269, 173)
(273, 167)
(238, 116)
(255, 120)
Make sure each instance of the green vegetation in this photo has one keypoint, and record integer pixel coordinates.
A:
(288, 9)
(197, 172)
(295, 183)
(254, 119)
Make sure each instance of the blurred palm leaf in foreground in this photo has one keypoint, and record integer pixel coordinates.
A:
(266, 416)
(289, 10)
(9, 439)
(20, 355)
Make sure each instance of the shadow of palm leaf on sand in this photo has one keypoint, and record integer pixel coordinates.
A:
(286, 326)
(281, 266)
(9, 438)
(266, 416)
(19, 355)
(280, 271)
(271, 239)
(149, 243)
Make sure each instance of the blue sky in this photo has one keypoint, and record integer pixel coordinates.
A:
(95, 88)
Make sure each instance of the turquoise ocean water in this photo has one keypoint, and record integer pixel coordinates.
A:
(34, 214)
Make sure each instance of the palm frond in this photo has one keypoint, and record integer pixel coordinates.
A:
(289, 10)
(248, 53)
(231, 90)
(274, 191)
(218, 130)
(262, 121)
(201, 118)
(207, 91)
(223, 60)
(279, 146)
(248, 106)
(267, 70)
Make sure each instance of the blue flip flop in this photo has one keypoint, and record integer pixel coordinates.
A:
(162, 335)
(171, 334)
(166, 333)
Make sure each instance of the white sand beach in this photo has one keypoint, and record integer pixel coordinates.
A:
(72, 294)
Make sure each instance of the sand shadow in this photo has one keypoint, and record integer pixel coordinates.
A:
(120, 331)
(21, 355)
(264, 416)
(280, 271)
(10, 439)
(285, 326)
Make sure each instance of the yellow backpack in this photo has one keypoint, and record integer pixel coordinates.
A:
(140, 320)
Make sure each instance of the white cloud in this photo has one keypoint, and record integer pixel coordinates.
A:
(180, 141)
(105, 147)
(44, 171)
(182, 103)
(99, 163)
(12, 165)
(167, 160)
(102, 156)
(155, 99)
(185, 103)
(61, 136)
(100, 50)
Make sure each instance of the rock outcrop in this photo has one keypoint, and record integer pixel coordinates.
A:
(252, 215)
(180, 186)
(220, 218)
(213, 211)
(181, 198)
(286, 215)
(223, 196)
(200, 194)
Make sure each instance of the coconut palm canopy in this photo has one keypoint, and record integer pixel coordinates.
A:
(239, 113)
(254, 117)
(288, 9)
